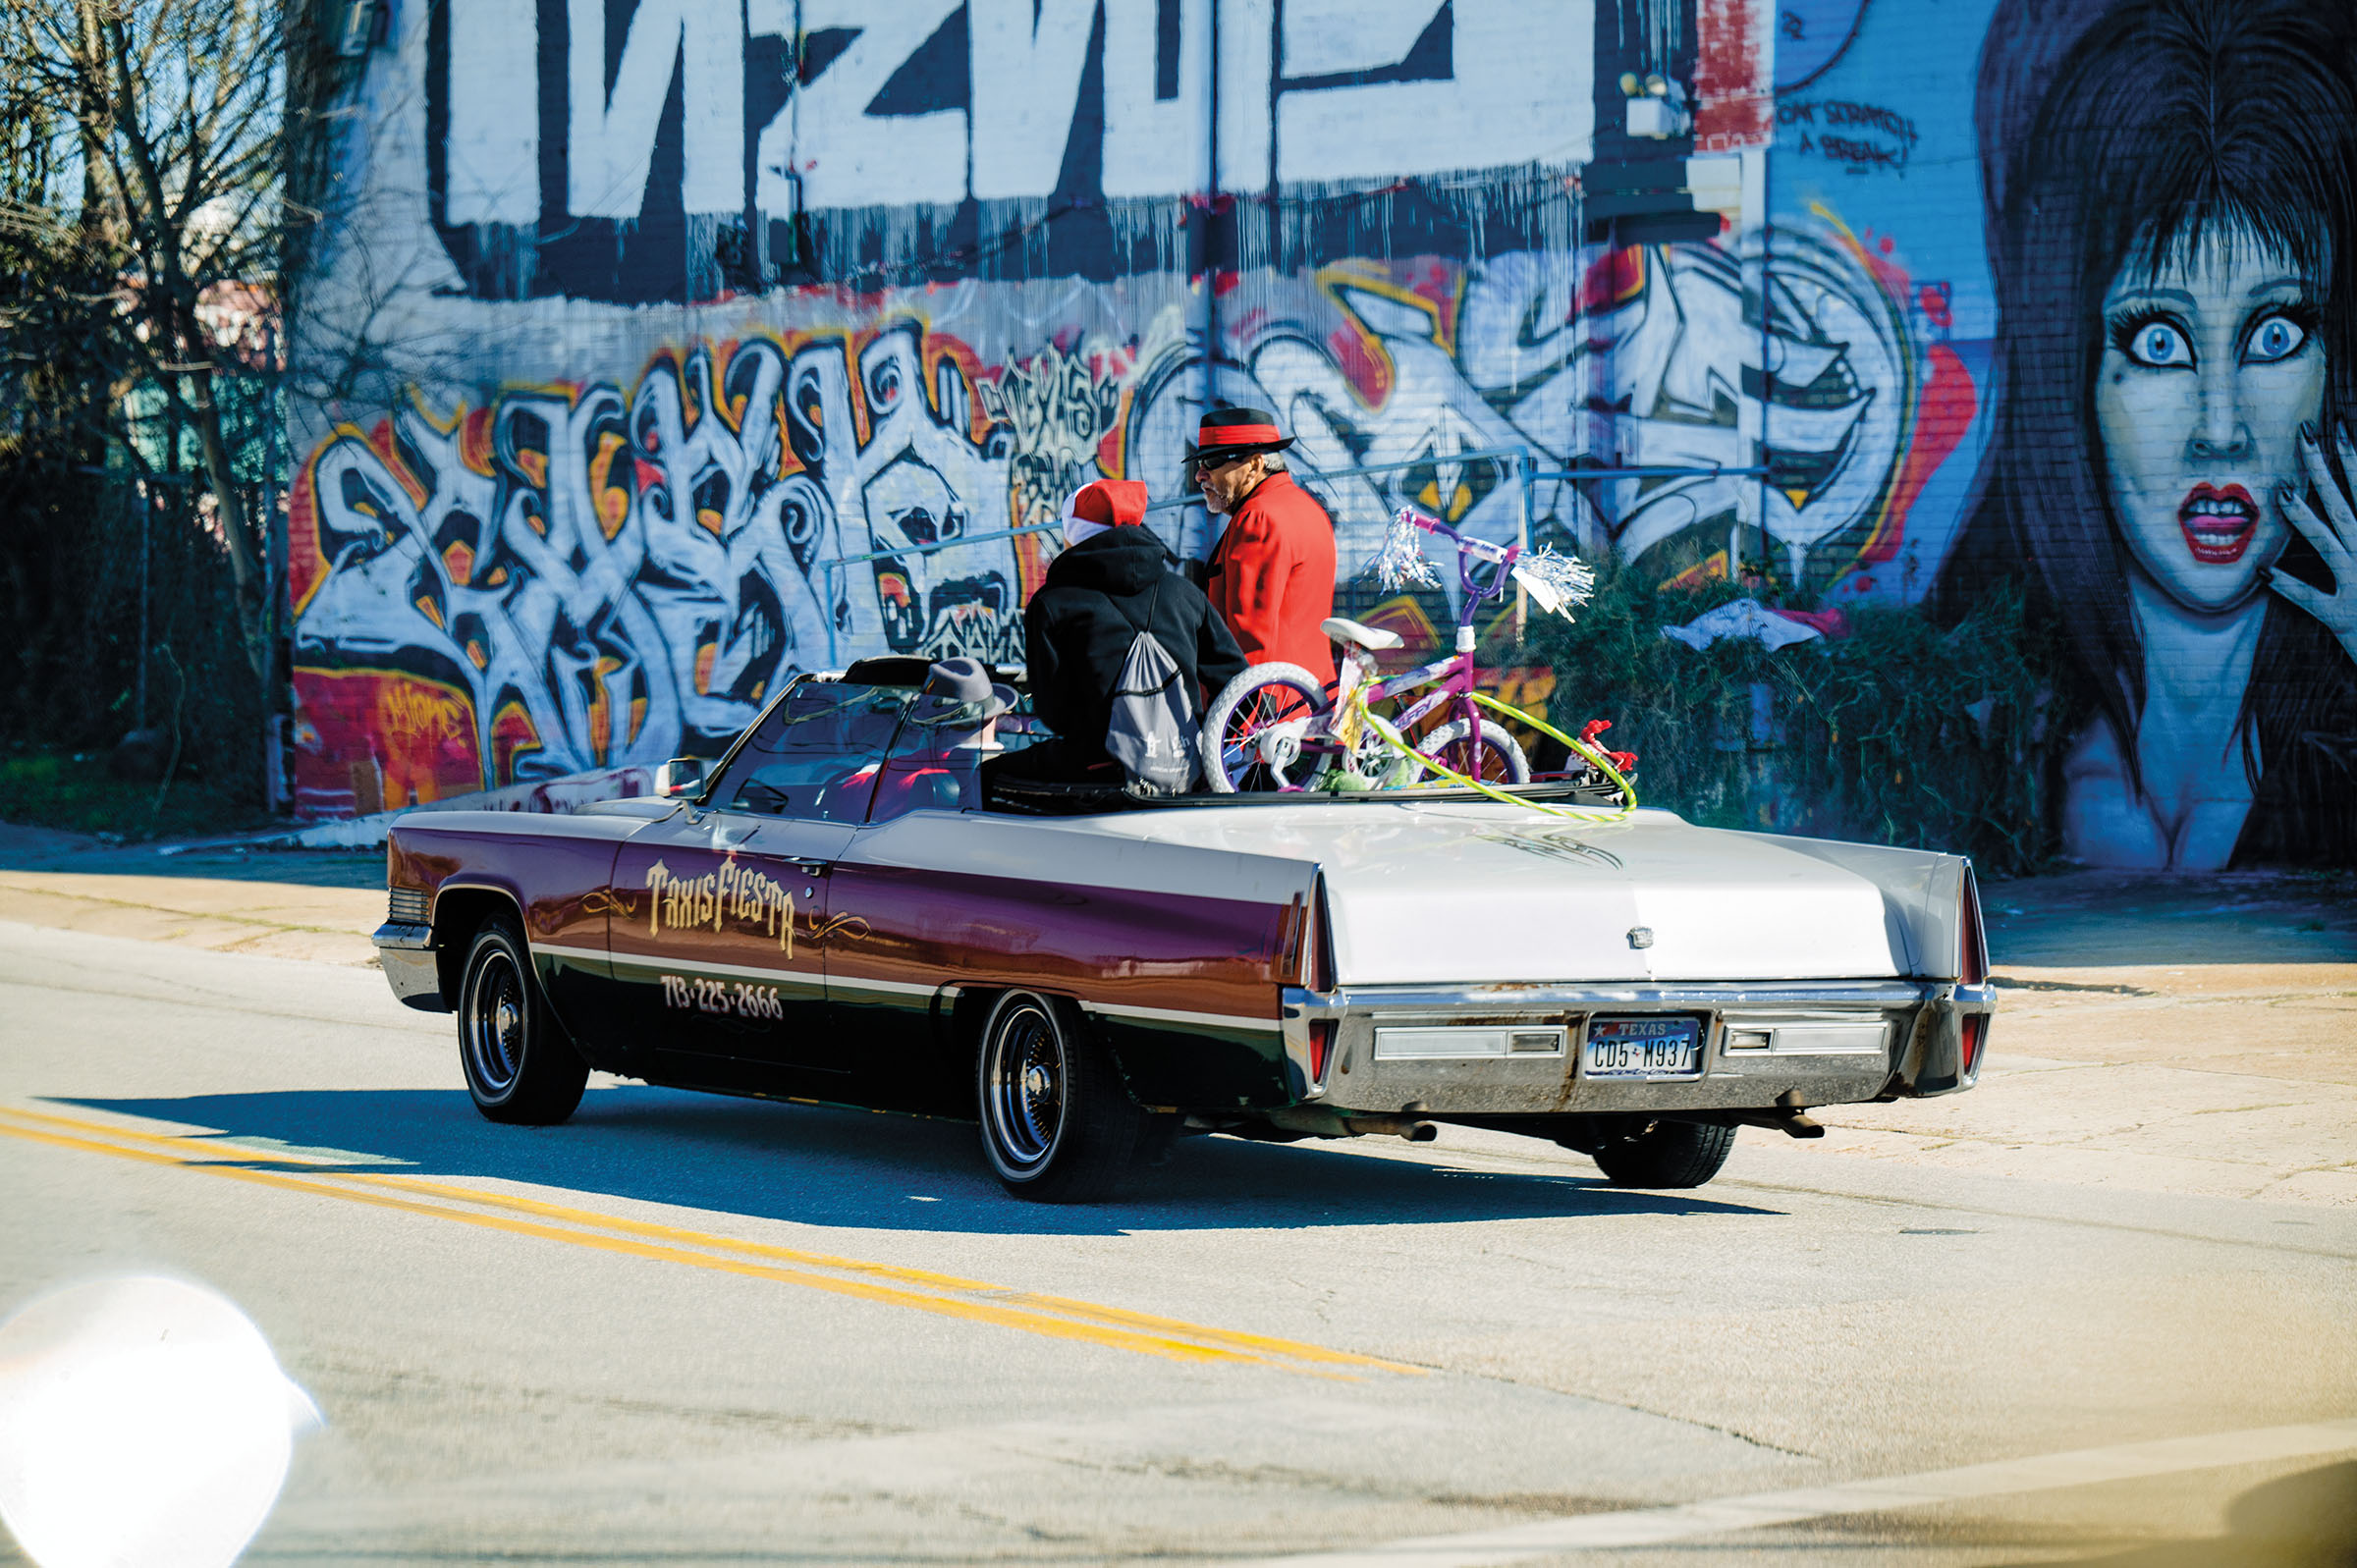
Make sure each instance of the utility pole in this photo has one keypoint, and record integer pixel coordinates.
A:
(139, 489)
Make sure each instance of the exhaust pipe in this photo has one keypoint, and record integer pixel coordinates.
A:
(1407, 1128)
(1787, 1116)
(1323, 1122)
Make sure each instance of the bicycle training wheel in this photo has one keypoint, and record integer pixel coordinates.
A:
(1254, 733)
(1493, 757)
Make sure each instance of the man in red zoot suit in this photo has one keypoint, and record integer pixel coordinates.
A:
(1272, 573)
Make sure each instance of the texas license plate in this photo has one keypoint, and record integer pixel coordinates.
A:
(1642, 1049)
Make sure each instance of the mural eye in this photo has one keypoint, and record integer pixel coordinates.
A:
(2275, 338)
(2160, 344)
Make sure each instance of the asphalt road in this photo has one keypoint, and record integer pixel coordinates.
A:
(686, 1330)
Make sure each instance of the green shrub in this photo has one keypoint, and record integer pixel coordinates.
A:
(1903, 733)
(63, 790)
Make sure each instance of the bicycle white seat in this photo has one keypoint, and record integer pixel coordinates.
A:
(1338, 630)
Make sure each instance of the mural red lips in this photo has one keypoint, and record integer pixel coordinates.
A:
(2218, 523)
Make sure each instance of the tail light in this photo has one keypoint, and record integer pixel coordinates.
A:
(1309, 964)
(1321, 1048)
(1972, 962)
(1972, 969)
(1975, 1028)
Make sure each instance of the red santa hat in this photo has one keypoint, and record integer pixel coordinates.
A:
(1106, 504)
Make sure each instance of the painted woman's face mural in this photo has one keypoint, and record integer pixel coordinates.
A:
(2211, 366)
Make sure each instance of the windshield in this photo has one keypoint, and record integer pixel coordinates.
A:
(816, 754)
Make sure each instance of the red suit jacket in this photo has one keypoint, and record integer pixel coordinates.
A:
(1272, 576)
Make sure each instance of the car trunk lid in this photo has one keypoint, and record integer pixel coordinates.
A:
(1449, 892)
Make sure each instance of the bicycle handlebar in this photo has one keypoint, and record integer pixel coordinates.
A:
(1556, 583)
(1482, 549)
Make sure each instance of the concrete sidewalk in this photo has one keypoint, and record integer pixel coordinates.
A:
(310, 906)
(2170, 1034)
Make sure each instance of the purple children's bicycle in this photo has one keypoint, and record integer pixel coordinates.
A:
(1278, 726)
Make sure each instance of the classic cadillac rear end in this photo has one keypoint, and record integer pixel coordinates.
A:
(1763, 971)
(1475, 963)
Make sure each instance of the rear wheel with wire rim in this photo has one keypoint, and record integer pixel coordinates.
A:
(1251, 732)
(1056, 1124)
(520, 1066)
(1493, 757)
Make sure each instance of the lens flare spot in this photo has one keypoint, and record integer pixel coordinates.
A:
(142, 1420)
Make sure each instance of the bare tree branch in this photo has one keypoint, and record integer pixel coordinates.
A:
(176, 134)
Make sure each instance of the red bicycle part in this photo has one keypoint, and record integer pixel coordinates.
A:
(1626, 761)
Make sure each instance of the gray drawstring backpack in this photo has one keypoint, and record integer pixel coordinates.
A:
(1152, 731)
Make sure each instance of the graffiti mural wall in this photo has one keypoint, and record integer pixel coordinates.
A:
(577, 575)
(749, 351)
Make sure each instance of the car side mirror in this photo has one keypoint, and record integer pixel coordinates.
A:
(680, 776)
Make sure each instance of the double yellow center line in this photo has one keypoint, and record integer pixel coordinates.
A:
(888, 1284)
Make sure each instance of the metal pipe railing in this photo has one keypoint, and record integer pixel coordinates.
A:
(1517, 456)
(835, 564)
(941, 544)
(1668, 471)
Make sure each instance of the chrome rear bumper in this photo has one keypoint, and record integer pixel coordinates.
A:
(1806, 1042)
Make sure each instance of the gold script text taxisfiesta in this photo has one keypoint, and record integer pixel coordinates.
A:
(730, 891)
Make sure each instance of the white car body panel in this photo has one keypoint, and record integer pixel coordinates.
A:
(1463, 892)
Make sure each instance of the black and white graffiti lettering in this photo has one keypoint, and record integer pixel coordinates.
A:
(622, 582)
(1059, 409)
(1686, 387)
(885, 117)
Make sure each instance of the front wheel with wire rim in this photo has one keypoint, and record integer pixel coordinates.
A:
(1252, 731)
(520, 1066)
(1494, 758)
(1056, 1124)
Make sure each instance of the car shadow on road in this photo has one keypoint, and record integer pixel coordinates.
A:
(857, 1169)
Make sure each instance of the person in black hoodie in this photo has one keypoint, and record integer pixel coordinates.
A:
(1112, 574)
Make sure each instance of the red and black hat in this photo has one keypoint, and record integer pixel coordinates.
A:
(1227, 434)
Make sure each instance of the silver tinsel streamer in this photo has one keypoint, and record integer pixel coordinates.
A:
(1400, 564)
(1572, 580)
